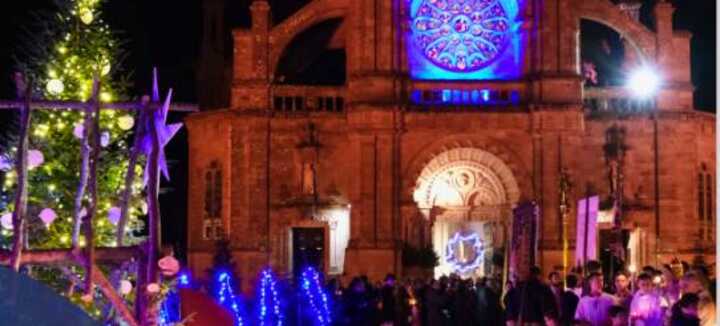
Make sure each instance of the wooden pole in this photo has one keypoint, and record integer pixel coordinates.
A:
(130, 174)
(117, 301)
(88, 229)
(153, 243)
(82, 106)
(69, 256)
(21, 169)
(84, 166)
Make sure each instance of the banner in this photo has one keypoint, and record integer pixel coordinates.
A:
(586, 243)
(523, 243)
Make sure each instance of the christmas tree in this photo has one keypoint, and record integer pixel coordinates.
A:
(64, 53)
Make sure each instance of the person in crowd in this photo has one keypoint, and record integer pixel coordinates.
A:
(693, 283)
(403, 313)
(435, 302)
(568, 301)
(647, 307)
(556, 286)
(618, 316)
(387, 301)
(464, 304)
(623, 294)
(488, 302)
(413, 304)
(593, 309)
(685, 311)
(670, 285)
(531, 302)
(358, 310)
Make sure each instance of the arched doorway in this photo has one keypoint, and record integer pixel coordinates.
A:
(467, 194)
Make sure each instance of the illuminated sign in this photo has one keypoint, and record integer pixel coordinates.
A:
(457, 259)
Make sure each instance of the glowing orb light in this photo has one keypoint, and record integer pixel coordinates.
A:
(114, 215)
(55, 86)
(6, 221)
(86, 16)
(453, 259)
(126, 122)
(644, 82)
(35, 158)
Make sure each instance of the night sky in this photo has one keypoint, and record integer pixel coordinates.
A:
(166, 34)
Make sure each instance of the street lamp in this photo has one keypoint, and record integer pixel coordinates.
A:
(644, 84)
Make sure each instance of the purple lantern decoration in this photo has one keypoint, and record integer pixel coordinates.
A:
(105, 139)
(6, 221)
(48, 215)
(6, 164)
(114, 215)
(35, 158)
(79, 130)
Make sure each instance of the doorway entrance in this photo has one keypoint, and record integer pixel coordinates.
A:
(308, 249)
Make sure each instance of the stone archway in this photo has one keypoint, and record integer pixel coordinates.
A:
(469, 192)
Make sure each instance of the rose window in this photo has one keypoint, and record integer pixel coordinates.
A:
(461, 35)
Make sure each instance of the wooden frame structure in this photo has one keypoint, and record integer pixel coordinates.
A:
(150, 111)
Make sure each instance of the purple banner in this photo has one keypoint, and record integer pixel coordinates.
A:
(586, 243)
(523, 246)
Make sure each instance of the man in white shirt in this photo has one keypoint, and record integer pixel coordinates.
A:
(647, 307)
(593, 309)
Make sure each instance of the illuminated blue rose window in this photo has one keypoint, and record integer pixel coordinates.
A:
(461, 35)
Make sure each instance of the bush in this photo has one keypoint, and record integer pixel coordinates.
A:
(420, 257)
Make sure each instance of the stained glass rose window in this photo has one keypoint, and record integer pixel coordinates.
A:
(461, 35)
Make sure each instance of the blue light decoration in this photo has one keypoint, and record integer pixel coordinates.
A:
(465, 39)
(269, 309)
(453, 260)
(315, 297)
(226, 296)
(170, 310)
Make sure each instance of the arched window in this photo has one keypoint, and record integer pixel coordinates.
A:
(212, 221)
(705, 203)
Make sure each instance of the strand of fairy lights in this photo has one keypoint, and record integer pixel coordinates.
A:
(310, 274)
(268, 280)
(226, 289)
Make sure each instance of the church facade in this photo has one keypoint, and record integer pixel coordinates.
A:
(452, 113)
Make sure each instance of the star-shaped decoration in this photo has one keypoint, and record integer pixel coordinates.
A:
(164, 132)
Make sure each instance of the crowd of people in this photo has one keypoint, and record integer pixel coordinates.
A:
(648, 298)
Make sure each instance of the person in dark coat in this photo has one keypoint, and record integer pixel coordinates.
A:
(358, 309)
(488, 303)
(464, 305)
(435, 300)
(387, 301)
(568, 301)
(685, 311)
(531, 302)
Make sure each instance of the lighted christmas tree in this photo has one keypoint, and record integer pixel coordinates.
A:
(62, 57)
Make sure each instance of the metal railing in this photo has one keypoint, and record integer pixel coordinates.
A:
(306, 99)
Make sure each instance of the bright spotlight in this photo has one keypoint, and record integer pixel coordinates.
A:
(644, 82)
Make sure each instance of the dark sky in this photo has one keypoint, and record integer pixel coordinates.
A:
(166, 34)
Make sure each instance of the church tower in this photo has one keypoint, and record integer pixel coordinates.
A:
(214, 67)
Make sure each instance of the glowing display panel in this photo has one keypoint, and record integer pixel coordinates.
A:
(464, 40)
